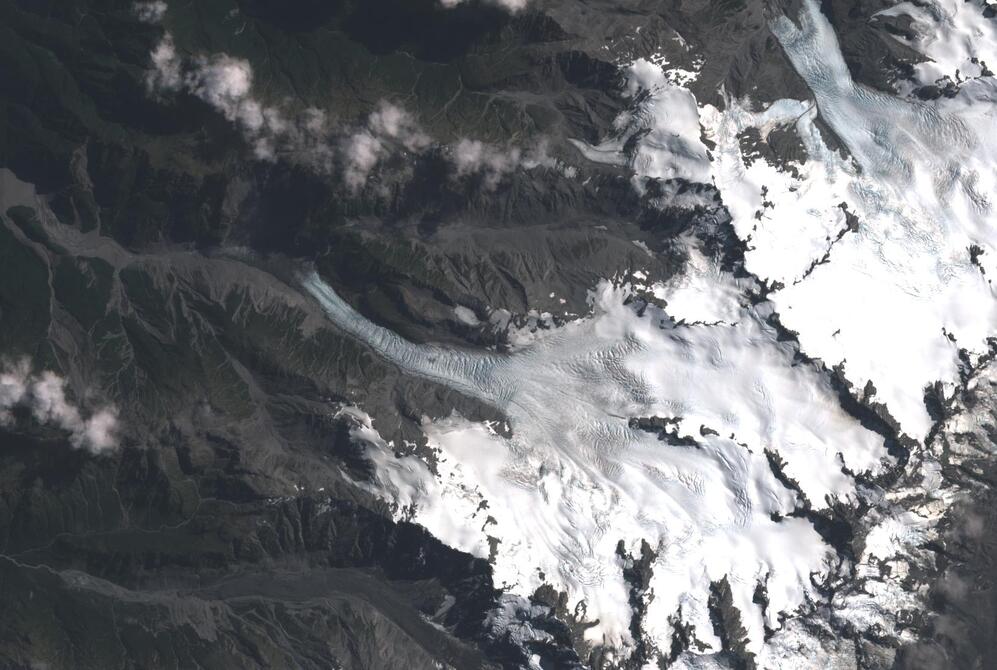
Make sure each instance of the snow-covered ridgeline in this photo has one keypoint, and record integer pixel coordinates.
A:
(884, 298)
(894, 294)
(702, 293)
(957, 37)
(576, 477)
(667, 118)
(879, 250)
(788, 219)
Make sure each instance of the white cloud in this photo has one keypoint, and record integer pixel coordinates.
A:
(472, 156)
(310, 136)
(165, 72)
(100, 430)
(475, 157)
(150, 12)
(224, 82)
(45, 396)
(391, 121)
(360, 154)
(386, 126)
(509, 5)
(13, 387)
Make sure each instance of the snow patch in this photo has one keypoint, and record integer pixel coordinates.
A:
(666, 118)
(702, 292)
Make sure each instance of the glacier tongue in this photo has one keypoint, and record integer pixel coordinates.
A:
(869, 258)
(893, 296)
(577, 477)
(879, 253)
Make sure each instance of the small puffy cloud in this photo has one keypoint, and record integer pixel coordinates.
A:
(49, 405)
(361, 152)
(306, 137)
(100, 430)
(223, 82)
(473, 155)
(149, 12)
(309, 137)
(226, 84)
(493, 163)
(508, 5)
(45, 396)
(13, 387)
(389, 126)
(165, 73)
(391, 121)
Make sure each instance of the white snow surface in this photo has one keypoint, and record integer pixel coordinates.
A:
(575, 479)
(958, 40)
(671, 147)
(895, 300)
(891, 301)
(702, 293)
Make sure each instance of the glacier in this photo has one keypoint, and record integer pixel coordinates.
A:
(865, 253)
(577, 477)
(901, 295)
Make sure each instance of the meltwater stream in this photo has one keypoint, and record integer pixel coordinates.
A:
(576, 479)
